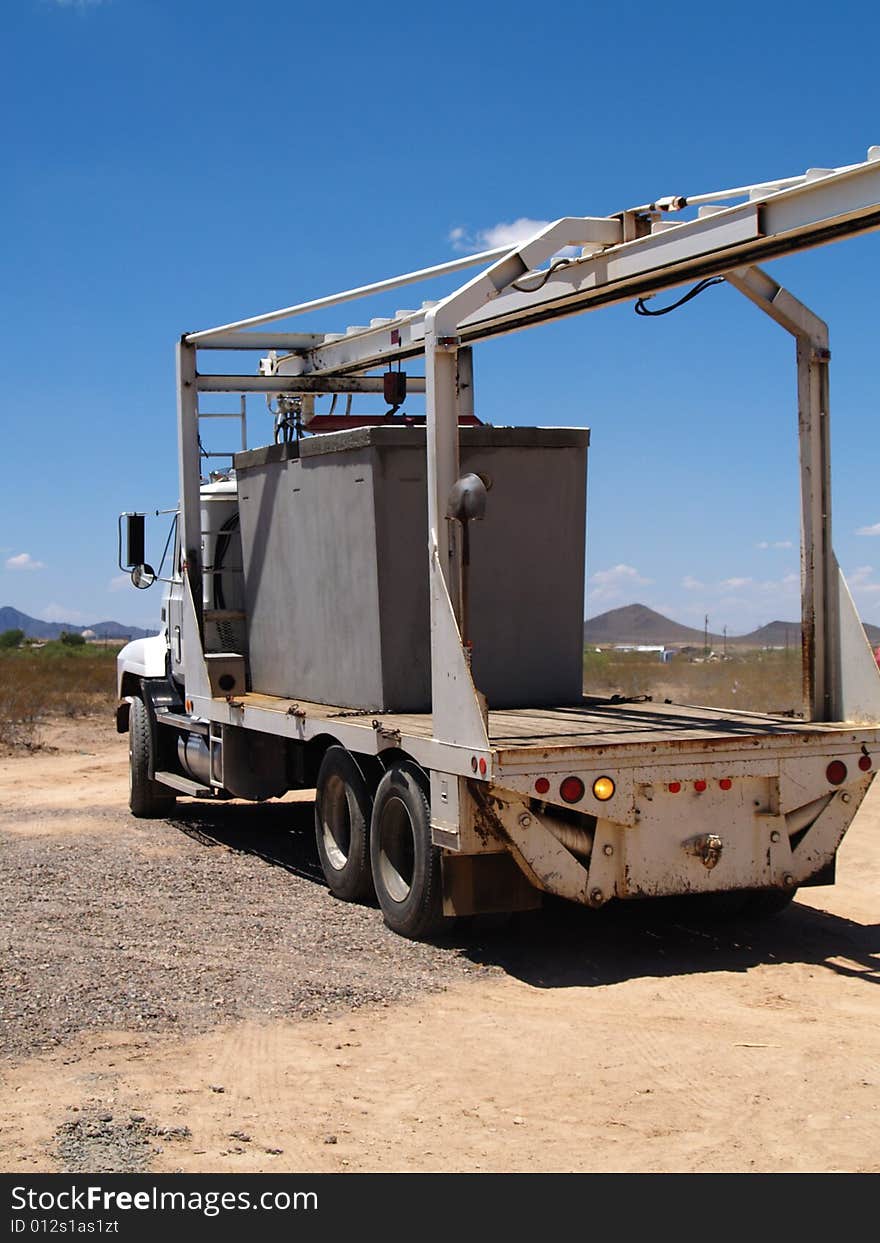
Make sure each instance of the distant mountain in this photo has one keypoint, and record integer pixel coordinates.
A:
(774, 634)
(788, 634)
(13, 619)
(636, 623)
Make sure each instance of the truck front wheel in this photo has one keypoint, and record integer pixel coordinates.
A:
(406, 865)
(147, 799)
(342, 826)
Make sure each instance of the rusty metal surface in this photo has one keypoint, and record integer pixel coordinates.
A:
(639, 732)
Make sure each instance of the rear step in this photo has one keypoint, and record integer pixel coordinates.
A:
(183, 784)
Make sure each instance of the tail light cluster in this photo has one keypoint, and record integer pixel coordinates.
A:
(700, 785)
(572, 789)
(836, 772)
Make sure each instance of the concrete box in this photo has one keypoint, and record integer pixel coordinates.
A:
(335, 552)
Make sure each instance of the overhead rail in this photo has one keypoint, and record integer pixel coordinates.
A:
(643, 252)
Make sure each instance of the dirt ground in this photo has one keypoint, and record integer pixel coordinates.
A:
(186, 995)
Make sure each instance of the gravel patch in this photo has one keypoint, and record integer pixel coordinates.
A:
(97, 1143)
(217, 915)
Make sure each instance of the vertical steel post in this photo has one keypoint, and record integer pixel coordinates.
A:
(820, 597)
(465, 383)
(441, 393)
(821, 669)
(190, 470)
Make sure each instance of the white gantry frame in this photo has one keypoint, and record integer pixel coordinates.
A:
(634, 254)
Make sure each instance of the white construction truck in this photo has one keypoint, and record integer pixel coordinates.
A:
(389, 609)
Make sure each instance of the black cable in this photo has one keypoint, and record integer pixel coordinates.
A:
(641, 308)
(171, 531)
(560, 263)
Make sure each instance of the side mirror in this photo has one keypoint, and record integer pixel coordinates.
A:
(134, 555)
(143, 576)
(134, 541)
(467, 499)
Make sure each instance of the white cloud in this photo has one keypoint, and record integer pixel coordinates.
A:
(734, 584)
(62, 613)
(872, 530)
(501, 234)
(119, 583)
(777, 543)
(861, 581)
(24, 561)
(692, 584)
(612, 584)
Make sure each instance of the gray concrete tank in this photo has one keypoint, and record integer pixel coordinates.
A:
(335, 549)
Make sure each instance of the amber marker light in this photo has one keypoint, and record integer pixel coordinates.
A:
(603, 789)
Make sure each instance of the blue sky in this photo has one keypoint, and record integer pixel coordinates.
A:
(169, 166)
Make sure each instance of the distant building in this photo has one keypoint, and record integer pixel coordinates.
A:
(663, 653)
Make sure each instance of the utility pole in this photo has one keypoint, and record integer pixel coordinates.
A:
(706, 636)
(725, 640)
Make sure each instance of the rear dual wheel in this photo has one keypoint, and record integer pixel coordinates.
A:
(379, 843)
(738, 904)
(405, 863)
(343, 805)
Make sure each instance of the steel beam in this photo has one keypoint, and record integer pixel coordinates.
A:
(261, 341)
(300, 384)
(810, 213)
(189, 461)
(351, 295)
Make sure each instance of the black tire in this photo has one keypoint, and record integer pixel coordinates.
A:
(406, 865)
(763, 903)
(343, 806)
(736, 904)
(147, 799)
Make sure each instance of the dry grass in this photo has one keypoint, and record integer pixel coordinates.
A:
(54, 680)
(753, 681)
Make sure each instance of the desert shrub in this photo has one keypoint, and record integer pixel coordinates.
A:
(54, 680)
(71, 638)
(11, 638)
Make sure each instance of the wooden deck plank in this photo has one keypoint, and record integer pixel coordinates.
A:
(594, 723)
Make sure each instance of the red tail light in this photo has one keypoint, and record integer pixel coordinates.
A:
(836, 772)
(865, 763)
(572, 790)
(542, 785)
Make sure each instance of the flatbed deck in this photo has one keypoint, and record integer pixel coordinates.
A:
(519, 735)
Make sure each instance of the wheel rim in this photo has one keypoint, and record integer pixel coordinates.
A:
(396, 850)
(336, 823)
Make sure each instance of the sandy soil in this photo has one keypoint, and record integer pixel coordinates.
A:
(621, 1040)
